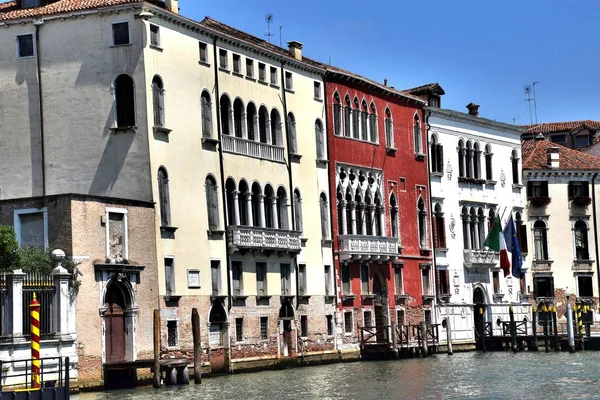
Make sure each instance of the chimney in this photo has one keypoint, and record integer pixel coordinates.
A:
(172, 5)
(295, 49)
(384, 81)
(553, 157)
(473, 109)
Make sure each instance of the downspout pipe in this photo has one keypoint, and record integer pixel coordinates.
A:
(594, 216)
(222, 169)
(426, 114)
(290, 177)
(40, 105)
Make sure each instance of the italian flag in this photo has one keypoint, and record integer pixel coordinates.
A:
(495, 241)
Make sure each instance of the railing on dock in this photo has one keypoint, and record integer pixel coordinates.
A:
(520, 327)
(486, 327)
(374, 335)
(54, 373)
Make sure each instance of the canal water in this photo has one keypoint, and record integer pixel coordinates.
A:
(554, 376)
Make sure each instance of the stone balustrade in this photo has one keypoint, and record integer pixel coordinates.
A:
(251, 237)
(363, 247)
(232, 144)
(480, 258)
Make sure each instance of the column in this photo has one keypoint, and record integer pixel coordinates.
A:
(342, 216)
(256, 128)
(382, 220)
(274, 212)
(461, 160)
(470, 156)
(244, 127)
(363, 222)
(236, 207)
(14, 283)
(352, 206)
(467, 232)
(261, 212)
(62, 301)
(268, 131)
(475, 233)
(248, 200)
(371, 211)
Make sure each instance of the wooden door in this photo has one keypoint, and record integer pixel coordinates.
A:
(380, 323)
(114, 335)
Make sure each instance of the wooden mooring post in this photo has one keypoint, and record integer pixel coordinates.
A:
(448, 335)
(156, 376)
(513, 330)
(555, 327)
(534, 344)
(546, 339)
(424, 349)
(197, 346)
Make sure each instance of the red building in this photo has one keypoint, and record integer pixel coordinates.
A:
(379, 180)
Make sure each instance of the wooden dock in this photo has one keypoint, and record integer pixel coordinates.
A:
(174, 371)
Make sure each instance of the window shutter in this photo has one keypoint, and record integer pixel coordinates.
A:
(535, 288)
(213, 208)
(436, 243)
(571, 190)
(442, 230)
(529, 189)
(545, 189)
(586, 189)
(156, 104)
(337, 114)
(319, 140)
(440, 158)
(324, 220)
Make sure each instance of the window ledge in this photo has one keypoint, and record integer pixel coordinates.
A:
(329, 297)
(438, 174)
(498, 296)
(274, 86)
(517, 186)
(490, 182)
(348, 297)
(318, 99)
(263, 296)
(208, 139)
(263, 82)
(205, 63)
(326, 242)
(117, 129)
(289, 90)
(217, 233)
(295, 156)
(170, 229)
(304, 296)
(367, 296)
(162, 129)
(419, 156)
(428, 297)
(121, 45)
(239, 297)
(391, 149)
(250, 78)
(156, 47)
(322, 163)
(442, 249)
(238, 74)
(401, 296)
(303, 240)
(225, 70)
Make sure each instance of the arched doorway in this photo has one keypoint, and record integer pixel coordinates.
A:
(116, 300)
(218, 340)
(380, 305)
(286, 317)
(478, 311)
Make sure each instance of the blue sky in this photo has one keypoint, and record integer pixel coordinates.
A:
(484, 51)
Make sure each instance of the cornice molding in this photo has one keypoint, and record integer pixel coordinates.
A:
(559, 174)
(462, 117)
(437, 129)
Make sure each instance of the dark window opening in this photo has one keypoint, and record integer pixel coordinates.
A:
(172, 333)
(125, 101)
(543, 286)
(585, 286)
(303, 326)
(25, 46)
(120, 33)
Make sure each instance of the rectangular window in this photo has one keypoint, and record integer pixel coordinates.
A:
(328, 281)
(364, 279)
(264, 328)
(444, 281)
(120, 34)
(289, 84)
(317, 90)
(223, 59)
(496, 278)
(329, 325)
(274, 76)
(262, 72)
(367, 319)
(537, 189)
(582, 141)
(578, 189)
(237, 276)
(237, 64)
(400, 317)
(249, 68)
(427, 316)
(239, 329)
(169, 275)
(285, 280)
(559, 139)
(31, 227)
(304, 326)
(398, 280)
(425, 280)
(302, 279)
(261, 279)
(543, 286)
(203, 52)
(193, 278)
(172, 334)
(348, 323)
(215, 276)
(346, 279)
(154, 35)
(585, 286)
(25, 46)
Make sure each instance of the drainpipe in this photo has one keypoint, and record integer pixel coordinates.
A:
(41, 104)
(221, 168)
(426, 114)
(290, 178)
(595, 228)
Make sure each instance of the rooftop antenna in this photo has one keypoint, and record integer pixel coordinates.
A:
(269, 19)
(528, 100)
(534, 103)
(280, 40)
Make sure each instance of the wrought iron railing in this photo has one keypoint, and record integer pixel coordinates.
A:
(54, 372)
(520, 328)
(43, 287)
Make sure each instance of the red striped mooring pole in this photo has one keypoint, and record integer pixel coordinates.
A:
(34, 306)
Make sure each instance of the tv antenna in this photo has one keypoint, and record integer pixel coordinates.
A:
(534, 102)
(269, 20)
(528, 100)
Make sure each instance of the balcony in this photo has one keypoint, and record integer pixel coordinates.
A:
(362, 247)
(477, 259)
(250, 148)
(582, 265)
(253, 238)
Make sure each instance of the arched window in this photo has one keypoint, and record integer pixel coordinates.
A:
(373, 124)
(324, 208)
(251, 121)
(476, 161)
(364, 121)
(206, 114)
(418, 135)
(212, 203)
(481, 227)
(337, 114)
(292, 141)
(422, 221)
(491, 219)
(347, 111)
(225, 109)
(437, 155)
(474, 229)
(243, 196)
(369, 214)
(163, 197)
(394, 216)
(231, 199)
(298, 210)
(263, 124)
(341, 209)
(256, 205)
(158, 101)
(521, 233)
(581, 241)
(268, 207)
(488, 163)
(349, 212)
(238, 118)
(276, 135)
(540, 240)
(466, 228)
(359, 212)
(514, 159)
(439, 227)
(378, 215)
(356, 119)
(320, 139)
(469, 160)
(461, 158)
(124, 101)
(282, 209)
(389, 129)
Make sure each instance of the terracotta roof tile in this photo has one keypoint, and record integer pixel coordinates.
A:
(10, 10)
(429, 87)
(551, 127)
(534, 153)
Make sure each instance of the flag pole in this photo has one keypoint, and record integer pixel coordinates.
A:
(488, 234)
